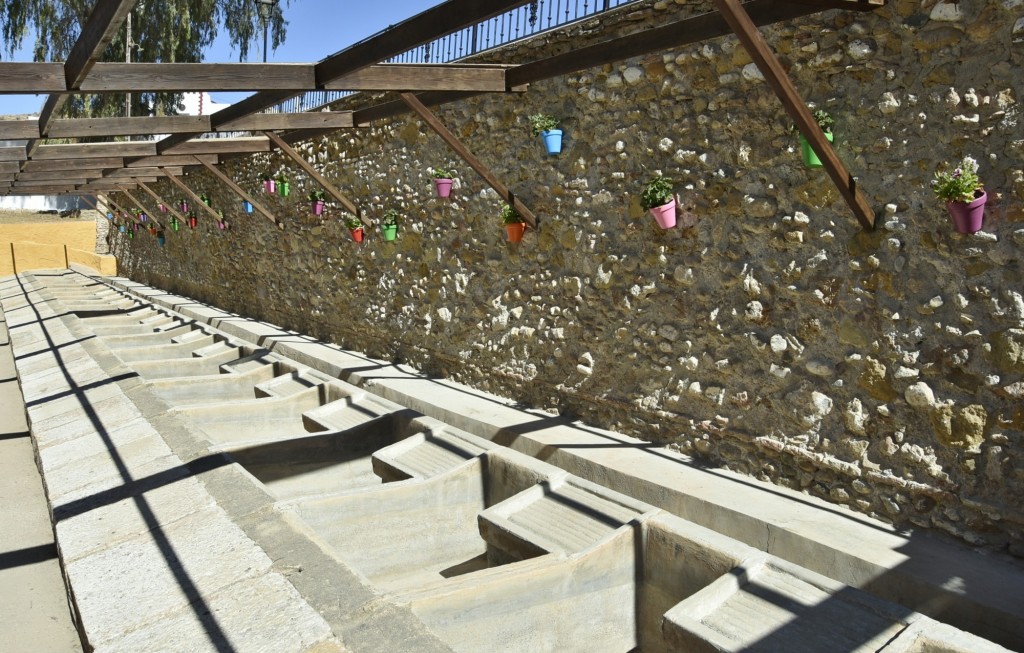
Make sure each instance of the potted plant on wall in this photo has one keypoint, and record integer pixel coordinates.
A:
(162, 207)
(389, 224)
(269, 184)
(161, 239)
(183, 205)
(222, 222)
(964, 195)
(318, 199)
(355, 227)
(515, 227)
(443, 180)
(141, 216)
(175, 223)
(192, 220)
(247, 206)
(284, 187)
(206, 200)
(546, 126)
(658, 199)
(825, 122)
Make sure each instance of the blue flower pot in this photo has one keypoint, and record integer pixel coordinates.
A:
(110, 216)
(247, 206)
(552, 140)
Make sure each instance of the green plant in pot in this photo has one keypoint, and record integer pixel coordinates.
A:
(546, 126)
(284, 187)
(355, 226)
(443, 179)
(389, 224)
(825, 123)
(206, 199)
(515, 226)
(658, 198)
(964, 194)
(318, 199)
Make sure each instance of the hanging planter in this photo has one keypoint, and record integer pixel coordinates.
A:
(162, 207)
(389, 224)
(192, 220)
(143, 217)
(825, 122)
(183, 206)
(269, 184)
(247, 206)
(546, 126)
(283, 186)
(206, 200)
(175, 224)
(131, 234)
(136, 226)
(110, 216)
(161, 240)
(317, 200)
(222, 223)
(514, 225)
(657, 198)
(443, 180)
(152, 230)
(122, 228)
(355, 227)
(964, 194)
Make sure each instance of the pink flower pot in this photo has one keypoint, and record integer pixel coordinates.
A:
(318, 207)
(665, 215)
(270, 186)
(967, 216)
(443, 187)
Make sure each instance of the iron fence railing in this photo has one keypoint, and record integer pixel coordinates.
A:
(522, 22)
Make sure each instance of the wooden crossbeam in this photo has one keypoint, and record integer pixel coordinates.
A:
(10, 166)
(32, 77)
(98, 163)
(128, 173)
(192, 196)
(40, 190)
(180, 77)
(227, 181)
(453, 142)
(94, 150)
(278, 121)
(170, 161)
(769, 65)
(243, 145)
(58, 175)
(13, 154)
(18, 129)
(345, 202)
(423, 77)
(24, 183)
(138, 126)
(160, 200)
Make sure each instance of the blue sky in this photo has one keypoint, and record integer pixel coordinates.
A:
(316, 29)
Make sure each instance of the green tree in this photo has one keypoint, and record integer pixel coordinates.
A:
(169, 31)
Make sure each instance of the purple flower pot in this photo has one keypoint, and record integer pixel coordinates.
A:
(967, 216)
(443, 187)
(318, 207)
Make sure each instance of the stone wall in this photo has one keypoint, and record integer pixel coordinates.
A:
(880, 370)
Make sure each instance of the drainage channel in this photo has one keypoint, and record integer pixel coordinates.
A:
(406, 533)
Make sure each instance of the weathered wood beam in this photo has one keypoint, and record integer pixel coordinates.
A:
(769, 65)
(243, 145)
(13, 153)
(848, 5)
(280, 121)
(50, 182)
(139, 126)
(179, 77)
(227, 181)
(39, 190)
(131, 173)
(249, 105)
(345, 202)
(32, 77)
(170, 161)
(191, 195)
(453, 142)
(160, 200)
(9, 166)
(98, 163)
(94, 150)
(58, 175)
(11, 130)
(423, 77)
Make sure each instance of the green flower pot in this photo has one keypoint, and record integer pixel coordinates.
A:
(811, 159)
(390, 231)
(283, 188)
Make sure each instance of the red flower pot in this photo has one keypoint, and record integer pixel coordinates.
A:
(357, 234)
(515, 231)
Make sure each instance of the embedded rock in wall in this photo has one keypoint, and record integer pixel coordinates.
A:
(767, 332)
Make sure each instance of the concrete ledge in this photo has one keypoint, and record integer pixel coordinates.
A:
(972, 590)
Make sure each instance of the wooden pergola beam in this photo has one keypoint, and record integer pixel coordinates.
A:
(138, 126)
(13, 153)
(423, 77)
(9, 166)
(94, 150)
(98, 163)
(345, 202)
(192, 196)
(453, 142)
(11, 130)
(160, 200)
(170, 160)
(244, 145)
(227, 181)
(749, 36)
(278, 121)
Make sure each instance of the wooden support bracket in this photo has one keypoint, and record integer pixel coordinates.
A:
(142, 207)
(241, 193)
(769, 65)
(112, 204)
(434, 123)
(160, 200)
(191, 195)
(345, 202)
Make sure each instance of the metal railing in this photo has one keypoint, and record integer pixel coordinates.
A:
(516, 24)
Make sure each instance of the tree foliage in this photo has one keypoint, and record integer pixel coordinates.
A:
(168, 31)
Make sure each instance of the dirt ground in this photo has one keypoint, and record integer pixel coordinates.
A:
(15, 216)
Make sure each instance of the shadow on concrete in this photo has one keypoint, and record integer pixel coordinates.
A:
(29, 556)
(216, 635)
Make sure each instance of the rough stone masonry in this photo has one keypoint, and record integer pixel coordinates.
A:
(881, 370)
